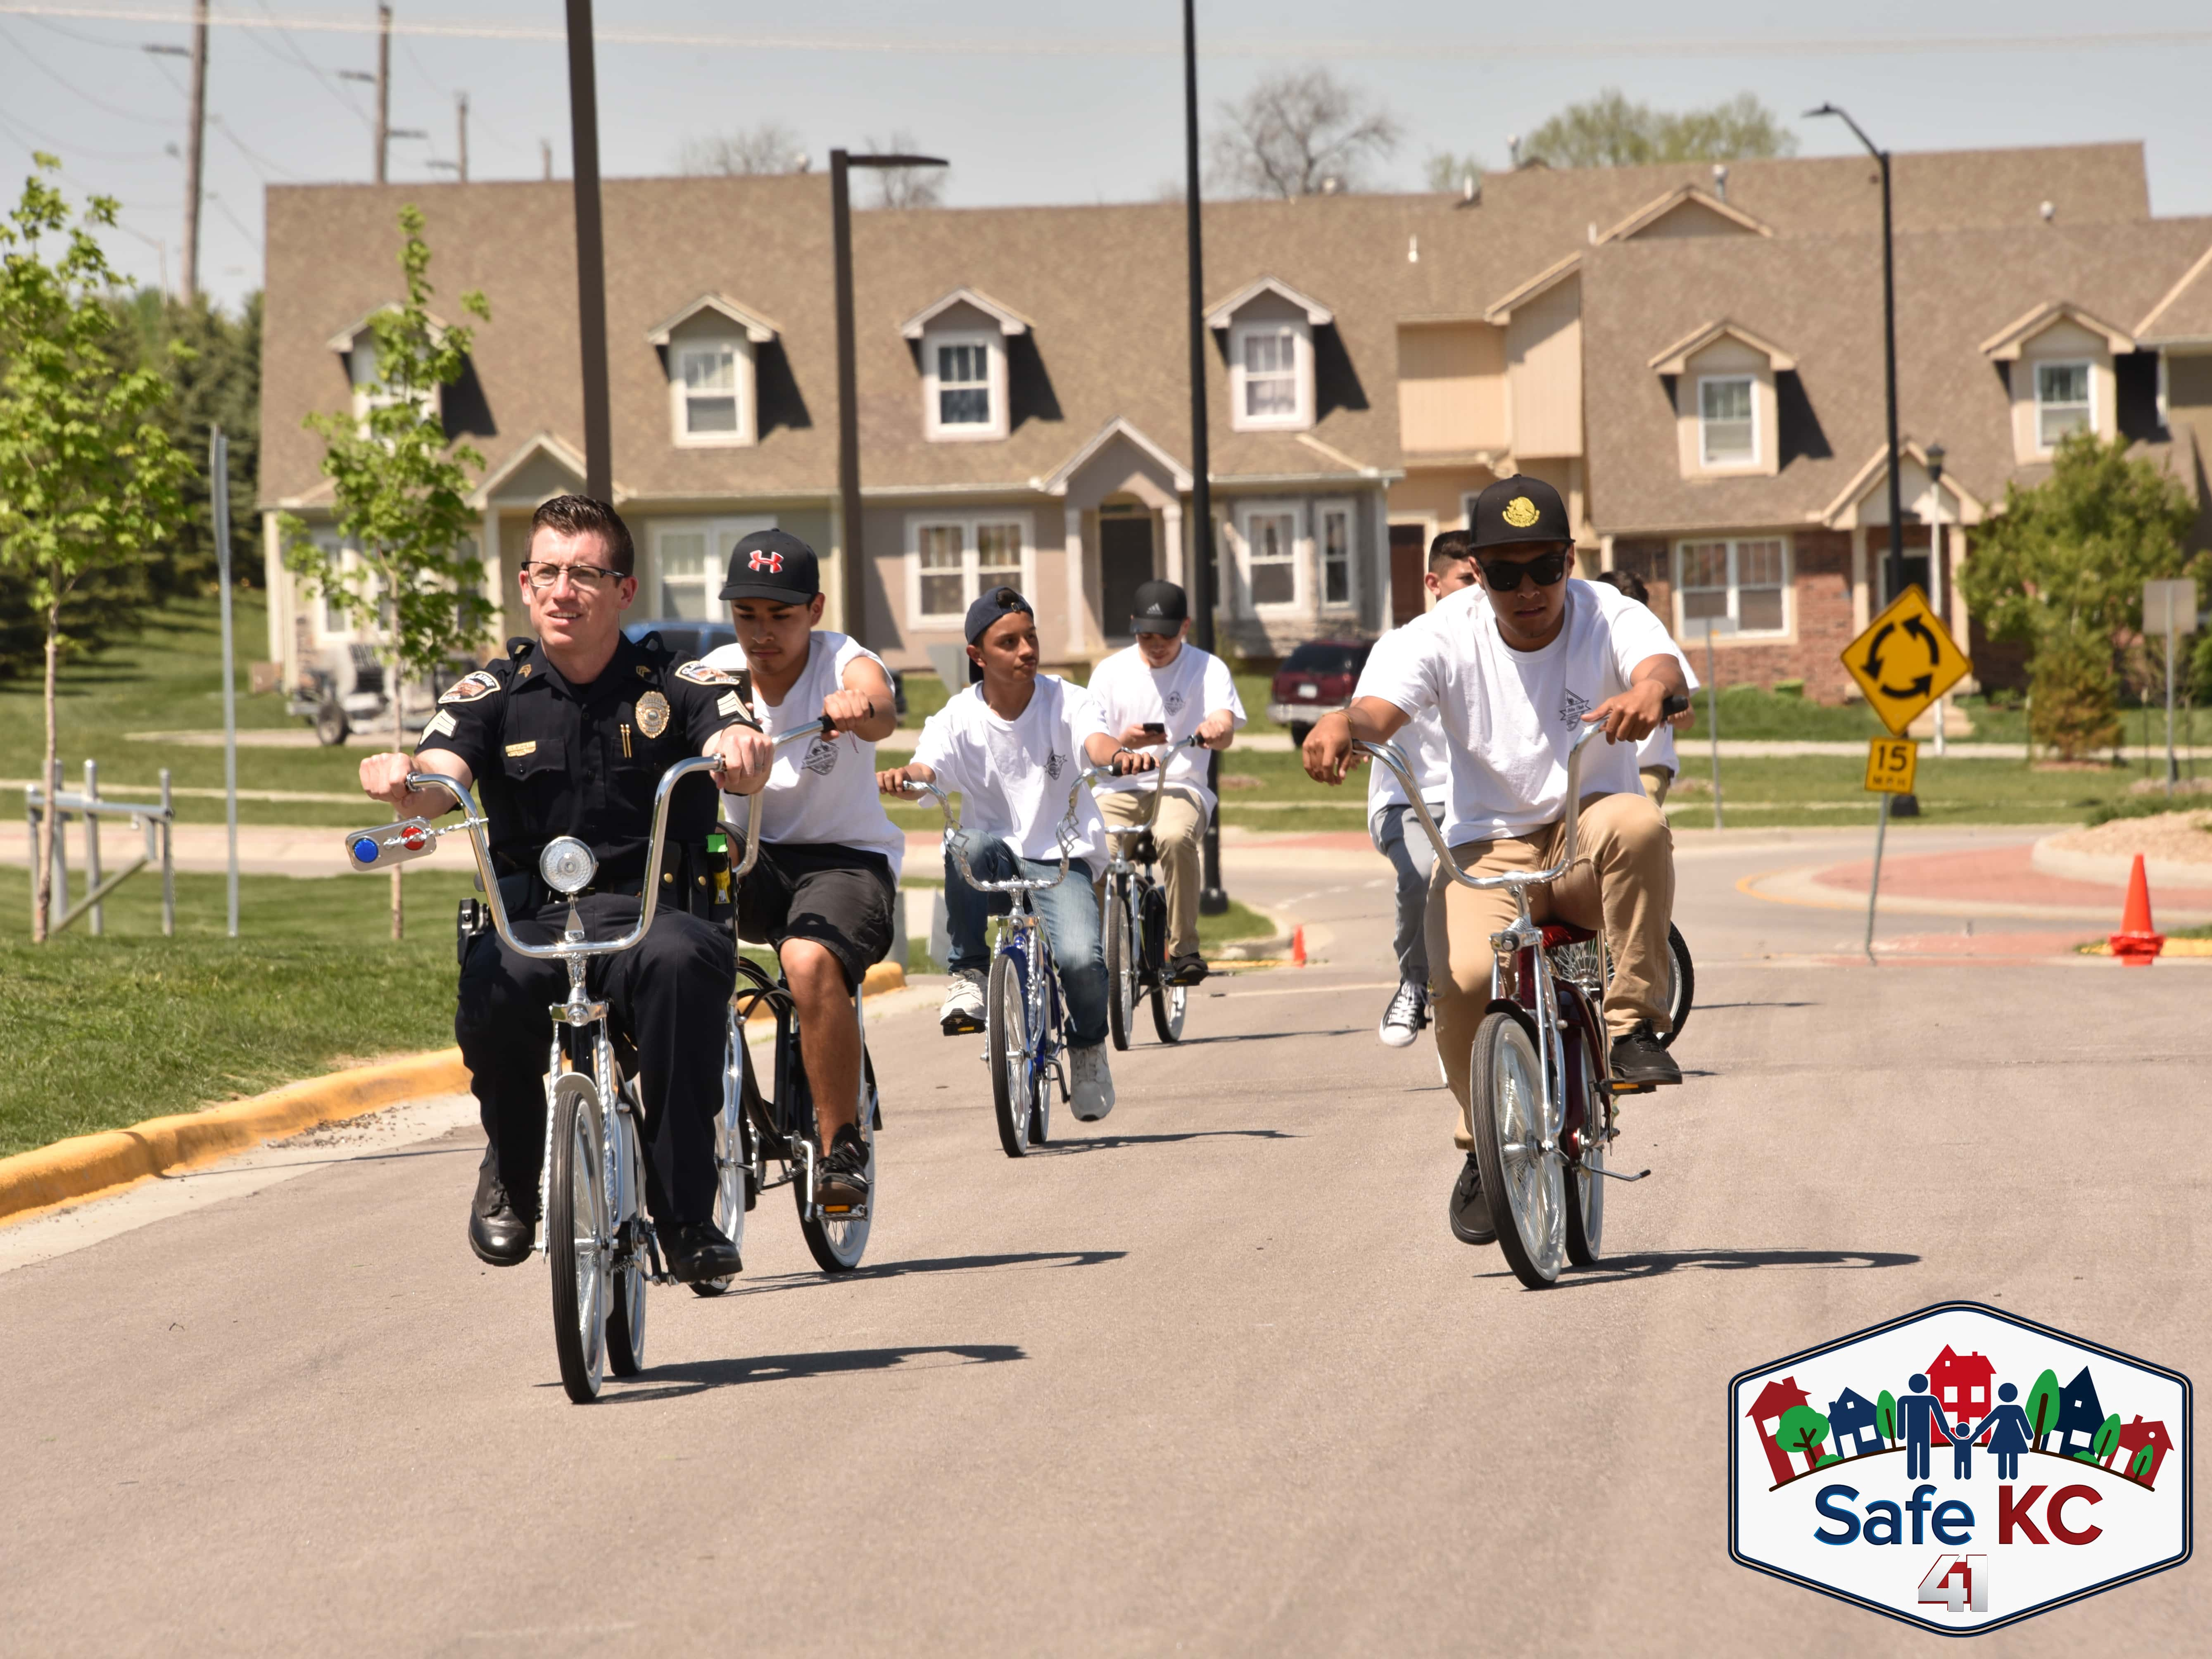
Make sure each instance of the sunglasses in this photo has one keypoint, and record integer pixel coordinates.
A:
(1545, 568)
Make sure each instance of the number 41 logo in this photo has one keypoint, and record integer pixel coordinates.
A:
(1960, 1582)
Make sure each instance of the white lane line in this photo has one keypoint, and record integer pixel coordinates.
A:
(1311, 990)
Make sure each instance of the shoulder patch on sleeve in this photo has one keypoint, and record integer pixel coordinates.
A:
(700, 674)
(470, 687)
(443, 724)
(728, 703)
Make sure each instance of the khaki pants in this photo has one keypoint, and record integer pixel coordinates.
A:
(1657, 780)
(1176, 833)
(1622, 883)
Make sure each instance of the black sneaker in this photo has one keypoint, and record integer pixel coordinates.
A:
(698, 1250)
(1469, 1209)
(1186, 969)
(499, 1232)
(1637, 1057)
(841, 1183)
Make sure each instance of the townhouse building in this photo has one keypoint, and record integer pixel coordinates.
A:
(1692, 355)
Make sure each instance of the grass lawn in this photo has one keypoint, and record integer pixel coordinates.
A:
(102, 1032)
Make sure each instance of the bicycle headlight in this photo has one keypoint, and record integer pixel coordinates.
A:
(567, 865)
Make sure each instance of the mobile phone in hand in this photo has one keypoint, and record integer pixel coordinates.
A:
(1154, 729)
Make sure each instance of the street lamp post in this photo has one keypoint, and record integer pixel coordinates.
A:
(591, 256)
(848, 410)
(1198, 562)
(1903, 806)
(1939, 567)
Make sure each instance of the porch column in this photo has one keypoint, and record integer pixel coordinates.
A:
(1860, 612)
(1073, 517)
(1171, 543)
(487, 547)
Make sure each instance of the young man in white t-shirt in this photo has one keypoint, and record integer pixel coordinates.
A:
(1012, 746)
(1656, 762)
(1390, 824)
(1516, 668)
(828, 875)
(1163, 689)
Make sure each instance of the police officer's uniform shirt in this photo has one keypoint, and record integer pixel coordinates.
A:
(1510, 716)
(1013, 776)
(823, 793)
(555, 759)
(1129, 692)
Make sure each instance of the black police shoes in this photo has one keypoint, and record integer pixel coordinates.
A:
(1637, 1057)
(498, 1232)
(1469, 1209)
(697, 1250)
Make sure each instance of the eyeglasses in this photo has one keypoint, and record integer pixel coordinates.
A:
(1544, 570)
(586, 576)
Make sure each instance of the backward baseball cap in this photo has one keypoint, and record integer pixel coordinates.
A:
(775, 565)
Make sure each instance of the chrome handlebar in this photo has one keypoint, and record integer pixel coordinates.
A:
(1160, 785)
(1389, 755)
(956, 840)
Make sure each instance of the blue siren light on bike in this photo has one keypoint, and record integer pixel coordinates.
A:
(364, 850)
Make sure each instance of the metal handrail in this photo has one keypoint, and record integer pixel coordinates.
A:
(956, 840)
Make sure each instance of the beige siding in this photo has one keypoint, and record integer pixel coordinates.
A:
(1451, 387)
(2064, 340)
(1544, 356)
(1691, 219)
(1728, 357)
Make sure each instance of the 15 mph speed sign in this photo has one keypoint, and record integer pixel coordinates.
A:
(1904, 660)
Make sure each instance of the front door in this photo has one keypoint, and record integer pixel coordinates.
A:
(1125, 564)
(1408, 560)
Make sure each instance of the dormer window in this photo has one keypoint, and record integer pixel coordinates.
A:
(1271, 329)
(961, 349)
(356, 349)
(1728, 424)
(711, 349)
(2061, 401)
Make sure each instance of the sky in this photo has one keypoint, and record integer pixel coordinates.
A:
(1033, 101)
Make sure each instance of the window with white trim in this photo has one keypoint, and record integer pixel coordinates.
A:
(1728, 423)
(1336, 540)
(709, 373)
(951, 561)
(964, 385)
(1271, 557)
(1270, 376)
(2061, 401)
(1746, 582)
(691, 556)
(368, 392)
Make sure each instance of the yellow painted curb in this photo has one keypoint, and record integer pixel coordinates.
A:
(883, 976)
(85, 1165)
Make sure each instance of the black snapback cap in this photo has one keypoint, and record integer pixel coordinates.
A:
(1159, 607)
(773, 564)
(1519, 509)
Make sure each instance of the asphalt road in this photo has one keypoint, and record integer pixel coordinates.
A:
(1213, 1378)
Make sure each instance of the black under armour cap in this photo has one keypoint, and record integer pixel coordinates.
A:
(1159, 608)
(992, 605)
(1520, 509)
(773, 564)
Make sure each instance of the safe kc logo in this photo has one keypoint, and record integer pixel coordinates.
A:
(1960, 1468)
(1904, 660)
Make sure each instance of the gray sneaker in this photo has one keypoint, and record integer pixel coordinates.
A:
(1091, 1091)
(961, 1010)
(1402, 1020)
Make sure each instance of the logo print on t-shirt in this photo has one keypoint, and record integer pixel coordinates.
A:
(821, 758)
(1054, 765)
(1573, 707)
(1173, 702)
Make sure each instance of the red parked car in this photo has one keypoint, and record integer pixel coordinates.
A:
(1315, 678)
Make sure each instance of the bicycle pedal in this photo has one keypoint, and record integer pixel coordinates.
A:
(1623, 1086)
(844, 1213)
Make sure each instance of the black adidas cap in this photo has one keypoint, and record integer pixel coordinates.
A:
(773, 564)
(1159, 607)
(1520, 509)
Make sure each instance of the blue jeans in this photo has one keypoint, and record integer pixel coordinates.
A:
(1069, 913)
(1398, 836)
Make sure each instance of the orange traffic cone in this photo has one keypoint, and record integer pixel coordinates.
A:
(1298, 946)
(2135, 944)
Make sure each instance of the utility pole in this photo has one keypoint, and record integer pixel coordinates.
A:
(591, 257)
(383, 88)
(195, 143)
(1198, 540)
(461, 133)
(546, 158)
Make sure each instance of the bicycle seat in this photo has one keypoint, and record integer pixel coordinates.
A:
(1557, 933)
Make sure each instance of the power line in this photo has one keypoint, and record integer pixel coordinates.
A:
(260, 163)
(40, 141)
(299, 57)
(1228, 45)
(68, 86)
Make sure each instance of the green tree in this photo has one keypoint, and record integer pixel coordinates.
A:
(2140, 1465)
(2061, 570)
(398, 499)
(2042, 1406)
(1446, 172)
(87, 480)
(1609, 132)
(2107, 1443)
(1802, 1431)
(1885, 1415)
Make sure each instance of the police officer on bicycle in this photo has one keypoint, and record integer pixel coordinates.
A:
(568, 735)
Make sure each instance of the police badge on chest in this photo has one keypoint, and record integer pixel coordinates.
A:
(652, 714)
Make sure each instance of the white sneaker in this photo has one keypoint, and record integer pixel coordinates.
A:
(1091, 1096)
(963, 1008)
(1403, 1019)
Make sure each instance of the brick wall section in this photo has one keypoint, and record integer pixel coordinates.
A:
(1821, 578)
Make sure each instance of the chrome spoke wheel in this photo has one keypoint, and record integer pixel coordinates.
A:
(576, 1239)
(1516, 1144)
(1585, 1187)
(1006, 1027)
(1121, 968)
(729, 1165)
(838, 1242)
(629, 1272)
(1169, 1004)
